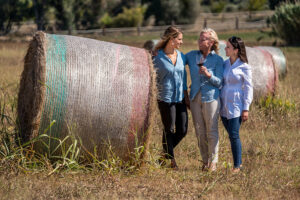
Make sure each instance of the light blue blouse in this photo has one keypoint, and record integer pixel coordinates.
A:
(237, 92)
(208, 87)
(171, 79)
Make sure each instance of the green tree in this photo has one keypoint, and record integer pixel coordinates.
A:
(13, 11)
(132, 17)
(255, 5)
(286, 23)
(189, 11)
(39, 7)
(64, 14)
(274, 3)
(165, 11)
(217, 6)
(88, 13)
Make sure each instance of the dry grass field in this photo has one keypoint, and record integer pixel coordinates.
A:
(271, 153)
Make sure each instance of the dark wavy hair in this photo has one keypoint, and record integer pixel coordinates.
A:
(239, 44)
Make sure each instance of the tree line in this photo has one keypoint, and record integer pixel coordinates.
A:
(54, 15)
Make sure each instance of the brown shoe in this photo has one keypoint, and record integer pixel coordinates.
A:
(173, 164)
(205, 167)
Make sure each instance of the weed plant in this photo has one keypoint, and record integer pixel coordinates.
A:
(271, 154)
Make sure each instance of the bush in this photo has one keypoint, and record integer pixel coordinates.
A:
(274, 3)
(106, 20)
(132, 17)
(286, 24)
(217, 7)
(231, 8)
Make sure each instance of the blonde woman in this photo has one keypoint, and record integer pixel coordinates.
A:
(206, 69)
(169, 63)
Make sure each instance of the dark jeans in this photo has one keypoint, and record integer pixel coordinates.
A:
(232, 126)
(175, 120)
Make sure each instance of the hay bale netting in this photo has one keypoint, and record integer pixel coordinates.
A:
(278, 59)
(102, 92)
(264, 72)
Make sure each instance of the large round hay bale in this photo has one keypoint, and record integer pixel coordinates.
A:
(278, 59)
(264, 72)
(99, 91)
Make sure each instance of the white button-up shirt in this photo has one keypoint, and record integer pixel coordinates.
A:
(237, 92)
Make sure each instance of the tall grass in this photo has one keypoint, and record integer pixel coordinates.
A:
(271, 154)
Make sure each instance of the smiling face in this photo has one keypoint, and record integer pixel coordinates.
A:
(230, 51)
(204, 42)
(178, 41)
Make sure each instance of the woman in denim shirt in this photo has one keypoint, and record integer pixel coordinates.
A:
(204, 95)
(236, 95)
(169, 64)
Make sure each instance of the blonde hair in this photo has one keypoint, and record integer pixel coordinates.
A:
(213, 37)
(170, 32)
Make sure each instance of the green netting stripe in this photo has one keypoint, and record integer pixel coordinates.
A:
(56, 85)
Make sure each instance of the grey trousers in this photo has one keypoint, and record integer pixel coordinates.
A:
(205, 118)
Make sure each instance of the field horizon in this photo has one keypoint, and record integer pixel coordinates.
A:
(271, 154)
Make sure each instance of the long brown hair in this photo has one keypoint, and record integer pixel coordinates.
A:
(239, 44)
(170, 32)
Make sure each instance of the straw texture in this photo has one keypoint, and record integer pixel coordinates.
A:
(278, 58)
(102, 92)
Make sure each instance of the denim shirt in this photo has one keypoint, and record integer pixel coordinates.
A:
(237, 92)
(208, 87)
(171, 79)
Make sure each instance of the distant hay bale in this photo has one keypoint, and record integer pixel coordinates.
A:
(264, 71)
(102, 92)
(279, 59)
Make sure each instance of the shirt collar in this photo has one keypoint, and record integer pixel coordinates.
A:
(211, 53)
(236, 63)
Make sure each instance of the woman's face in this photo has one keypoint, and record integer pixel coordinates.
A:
(230, 51)
(204, 42)
(178, 41)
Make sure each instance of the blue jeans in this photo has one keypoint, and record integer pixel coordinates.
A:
(232, 126)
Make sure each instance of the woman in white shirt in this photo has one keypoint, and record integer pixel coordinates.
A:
(236, 95)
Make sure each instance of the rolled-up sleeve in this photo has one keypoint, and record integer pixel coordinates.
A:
(248, 87)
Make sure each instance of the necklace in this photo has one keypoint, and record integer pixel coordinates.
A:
(173, 57)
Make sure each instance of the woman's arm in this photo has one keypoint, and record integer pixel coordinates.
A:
(216, 79)
(247, 87)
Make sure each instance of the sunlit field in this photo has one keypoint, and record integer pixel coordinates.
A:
(271, 153)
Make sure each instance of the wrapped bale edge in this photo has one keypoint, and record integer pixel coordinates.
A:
(32, 90)
(32, 98)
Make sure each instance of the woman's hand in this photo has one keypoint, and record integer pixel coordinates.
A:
(187, 102)
(186, 99)
(245, 114)
(203, 70)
